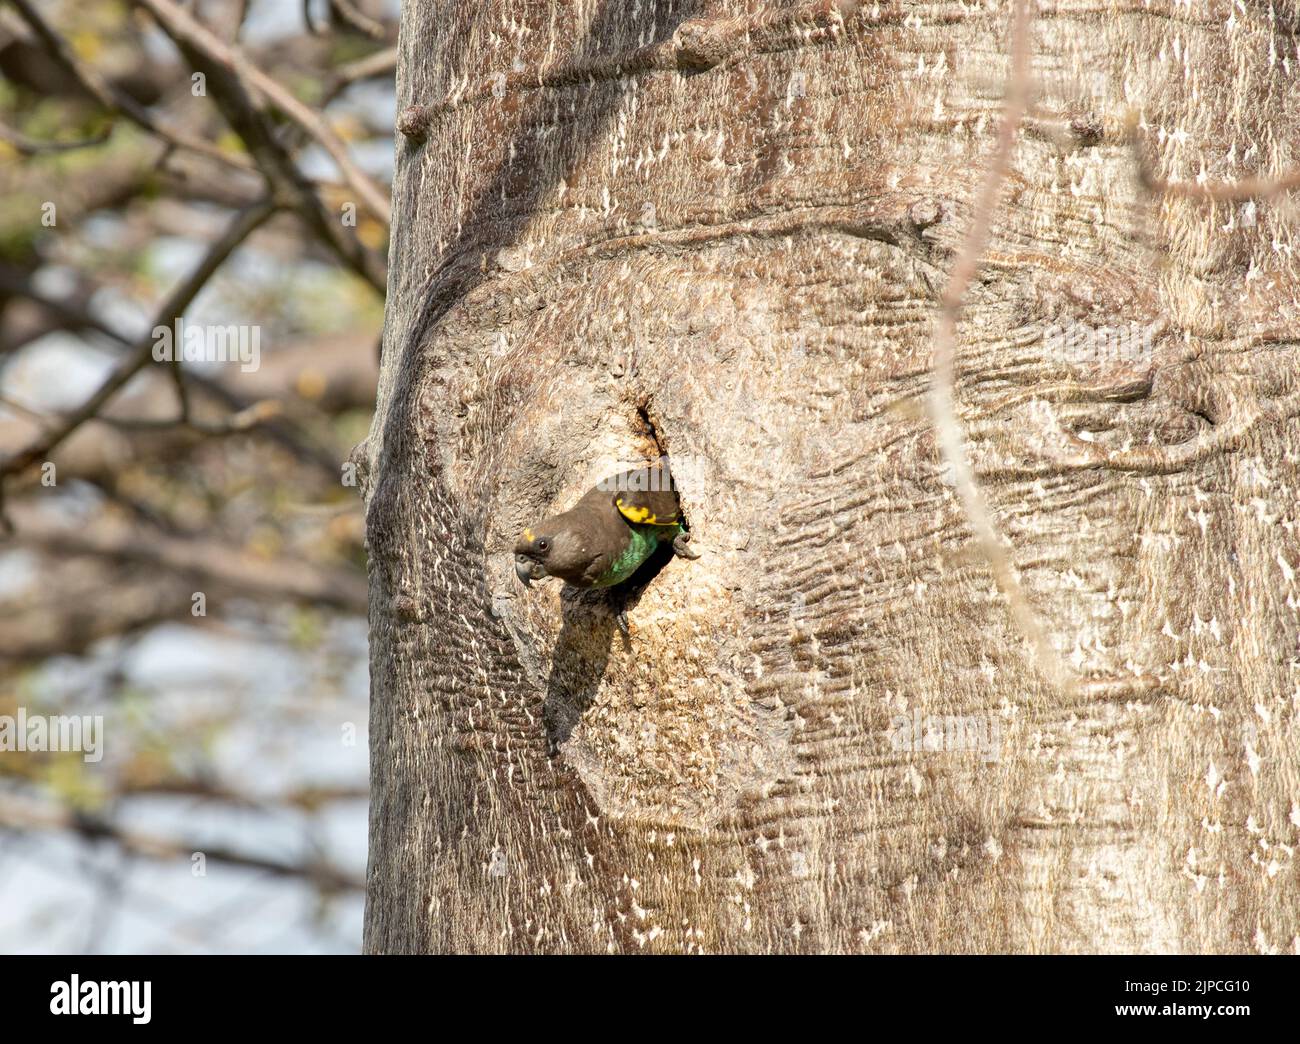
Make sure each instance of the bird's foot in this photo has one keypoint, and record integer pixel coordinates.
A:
(620, 618)
(682, 546)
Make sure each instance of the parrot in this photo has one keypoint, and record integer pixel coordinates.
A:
(604, 538)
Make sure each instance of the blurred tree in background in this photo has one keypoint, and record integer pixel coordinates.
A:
(183, 548)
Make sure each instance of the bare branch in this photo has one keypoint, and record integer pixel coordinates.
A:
(307, 798)
(262, 413)
(244, 113)
(283, 577)
(182, 28)
(113, 99)
(239, 230)
(71, 312)
(952, 439)
(77, 608)
(16, 814)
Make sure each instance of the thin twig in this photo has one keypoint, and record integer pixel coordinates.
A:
(31, 147)
(309, 21)
(16, 283)
(241, 16)
(44, 420)
(357, 20)
(1222, 191)
(177, 371)
(952, 439)
(246, 419)
(381, 63)
(1202, 188)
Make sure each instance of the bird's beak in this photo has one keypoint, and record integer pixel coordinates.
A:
(527, 570)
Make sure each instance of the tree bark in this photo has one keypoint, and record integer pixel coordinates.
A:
(719, 230)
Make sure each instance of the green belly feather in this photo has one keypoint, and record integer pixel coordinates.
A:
(642, 545)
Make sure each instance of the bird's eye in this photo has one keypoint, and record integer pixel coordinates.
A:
(543, 545)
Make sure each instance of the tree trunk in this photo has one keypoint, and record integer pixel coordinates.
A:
(719, 231)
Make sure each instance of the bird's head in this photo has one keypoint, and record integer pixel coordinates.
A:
(548, 549)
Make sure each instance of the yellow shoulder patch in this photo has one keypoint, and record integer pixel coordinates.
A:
(642, 516)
